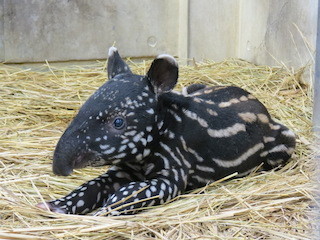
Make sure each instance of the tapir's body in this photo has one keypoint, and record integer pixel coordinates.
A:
(162, 142)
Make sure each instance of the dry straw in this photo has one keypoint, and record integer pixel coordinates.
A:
(36, 106)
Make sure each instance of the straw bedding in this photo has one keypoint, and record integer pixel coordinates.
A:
(36, 106)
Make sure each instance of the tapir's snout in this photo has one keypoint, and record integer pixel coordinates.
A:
(69, 155)
(63, 158)
(62, 165)
(61, 170)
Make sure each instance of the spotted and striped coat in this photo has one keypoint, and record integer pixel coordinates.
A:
(162, 143)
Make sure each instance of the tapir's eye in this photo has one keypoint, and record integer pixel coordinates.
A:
(118, 123)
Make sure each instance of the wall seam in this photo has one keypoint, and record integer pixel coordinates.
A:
(3, 25)
(183, 31)
(239, 28)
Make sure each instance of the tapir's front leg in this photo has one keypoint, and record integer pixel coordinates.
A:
(135, 195)
(92, 194)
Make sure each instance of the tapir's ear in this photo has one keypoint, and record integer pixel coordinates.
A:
(115, 64)
(163, 73)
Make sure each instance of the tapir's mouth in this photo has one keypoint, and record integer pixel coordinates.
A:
(81, 161)
(91, 158)
(65, 167)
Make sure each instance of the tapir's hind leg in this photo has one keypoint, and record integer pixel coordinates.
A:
(279, 146)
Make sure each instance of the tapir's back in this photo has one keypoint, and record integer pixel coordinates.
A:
(229, 130)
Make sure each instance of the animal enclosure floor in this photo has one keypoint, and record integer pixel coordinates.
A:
(36, 106)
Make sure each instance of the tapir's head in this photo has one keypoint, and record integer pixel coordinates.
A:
(118, 122)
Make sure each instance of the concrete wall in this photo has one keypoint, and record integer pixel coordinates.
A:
(80, 29)
(2, 55)
(213, 29)
(264, 31)
(274, 31)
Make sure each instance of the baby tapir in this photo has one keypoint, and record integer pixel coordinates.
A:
(161, 142)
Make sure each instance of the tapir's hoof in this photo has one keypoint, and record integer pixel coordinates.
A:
(51, 207)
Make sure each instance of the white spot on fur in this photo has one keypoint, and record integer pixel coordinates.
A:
(149, 138)
(121, 155)
(177, 118)
(148, 193)
(205, 168)
(227, 132)
(195, 117)
(150, 167)
(138, 137)
(130, 133)
(134, 151)
(288, 133)
(109, 151)
(229, 103)
(268, 139)
(238, 161)
(168, 149)
(153, 189)
(251, 96)
(274, 162)
(131, 145)
(164, 159)
(160, 125)
(211, 112)
(114, 199)
(243, 98)
(103, 147)
(146, 152)
(122, 148)
(143, 184)
(143, 141)
(163, 186)
(282, 148)
(171, 135)
(150, 111)
(263, 118)
(248, 117)
(274, 127)
(125, 141)
(80, 203)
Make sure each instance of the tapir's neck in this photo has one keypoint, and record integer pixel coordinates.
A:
(174, 100)
(171, 105)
